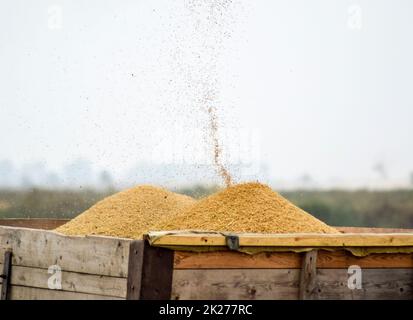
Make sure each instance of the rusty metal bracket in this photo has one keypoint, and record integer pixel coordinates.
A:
(6, 275)
(232, 242)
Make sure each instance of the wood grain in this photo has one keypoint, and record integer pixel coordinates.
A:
(235, 284)
(6, 275)
(377, 284)
(135, 270)
(41, 249)
(287, 240)
(28, 293)
(344, 259)
(250, 284)
(286, 260)
(308, 275)
(157, 272)
(71, 281)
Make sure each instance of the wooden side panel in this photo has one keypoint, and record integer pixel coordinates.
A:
(74, 282)
(246, 284)
(286, 260)
(41, 249)
(235, 284)
(91, 267)
(27, 293)
(377, 284)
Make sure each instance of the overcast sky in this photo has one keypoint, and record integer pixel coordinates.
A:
(314, 87)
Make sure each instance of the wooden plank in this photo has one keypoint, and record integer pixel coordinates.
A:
(308, 275)
(150, 272)
(343, 259)
(250, 284)
(74, 282)
(6, 275)
(377, 284)
(286, 240)
(157, 270)
(40, 223)
(236, 260)
(28, 293)
(286, 260)
(235, 284)
(41, 249)
(135, 270)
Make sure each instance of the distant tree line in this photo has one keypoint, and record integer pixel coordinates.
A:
(335, 207)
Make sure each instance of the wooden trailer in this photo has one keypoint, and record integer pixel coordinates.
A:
(41, 264)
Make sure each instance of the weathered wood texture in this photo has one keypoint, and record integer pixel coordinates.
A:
(150, 272)
(27, 293)
(377, 284)
(6, 275)
(236, 260)
(71, 281)
(284, 284)
(285, 240)
(45, 224)
(308, 275)
(157, 271)
(97, 267)
(92, 267)
(41, 249)
(285, 260)
(242, 284)
(135, 270)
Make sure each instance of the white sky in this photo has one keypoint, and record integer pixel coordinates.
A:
(327, 97)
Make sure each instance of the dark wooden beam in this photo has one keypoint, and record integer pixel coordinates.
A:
(308, 276)
(6, 276)
(150, 272)
(135, 270)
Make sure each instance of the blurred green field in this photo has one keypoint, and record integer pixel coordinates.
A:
(336, 207)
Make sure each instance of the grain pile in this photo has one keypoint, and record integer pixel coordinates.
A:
(249, 207)
(127, 214)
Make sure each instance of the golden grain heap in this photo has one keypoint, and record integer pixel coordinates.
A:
(249, 207)
(127, 214)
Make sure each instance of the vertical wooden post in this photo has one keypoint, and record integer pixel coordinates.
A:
(6, 275)
(308, 276)
(149, 272)
(135, 270)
